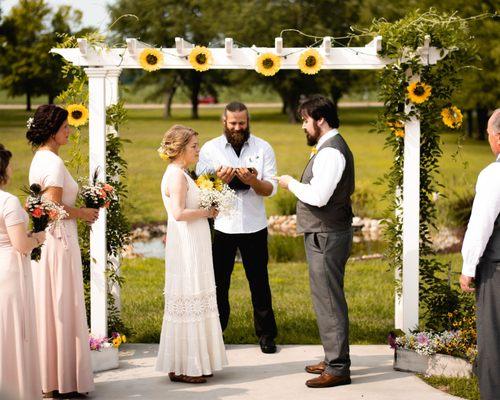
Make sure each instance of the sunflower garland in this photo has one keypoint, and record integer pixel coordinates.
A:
(78, 114)
(419, 92)
(268, 64)
(452, 117)
(201, 58)
(310, 62)
(151, 59)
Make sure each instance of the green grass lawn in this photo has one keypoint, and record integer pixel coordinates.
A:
(369, 290)
(146, 127)
(467, 388)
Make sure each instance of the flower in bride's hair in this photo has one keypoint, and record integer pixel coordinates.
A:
(29, 123)
(162, 154)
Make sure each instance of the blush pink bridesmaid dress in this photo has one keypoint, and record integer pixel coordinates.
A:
(19, 366)
(63, 335)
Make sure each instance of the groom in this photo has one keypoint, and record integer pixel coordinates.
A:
(324, 215)
(247, 164)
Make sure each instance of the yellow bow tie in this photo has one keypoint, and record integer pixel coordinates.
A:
(314, 151)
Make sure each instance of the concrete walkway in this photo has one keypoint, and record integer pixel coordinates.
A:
(254, 375)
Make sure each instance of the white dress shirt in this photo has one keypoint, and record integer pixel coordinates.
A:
(250, 213)
(327, 170)
(485, 210)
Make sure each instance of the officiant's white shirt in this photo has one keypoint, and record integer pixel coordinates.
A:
(250, 213)
(327, 170)
(485, 210)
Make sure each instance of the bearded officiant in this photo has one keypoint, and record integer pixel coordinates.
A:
(248, 165)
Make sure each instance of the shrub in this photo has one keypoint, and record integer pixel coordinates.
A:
(286, 203)
(286, 249)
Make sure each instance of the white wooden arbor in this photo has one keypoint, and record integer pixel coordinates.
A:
(103, 67)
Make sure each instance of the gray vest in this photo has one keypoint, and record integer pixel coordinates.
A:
(336, 215)
(492, 249)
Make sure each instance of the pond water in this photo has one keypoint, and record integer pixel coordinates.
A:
(155, 248)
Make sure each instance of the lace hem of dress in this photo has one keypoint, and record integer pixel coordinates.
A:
(191, 308)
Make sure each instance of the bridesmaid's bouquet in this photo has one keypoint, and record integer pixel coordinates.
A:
(215, 193)
(43, 213)
(98, 194)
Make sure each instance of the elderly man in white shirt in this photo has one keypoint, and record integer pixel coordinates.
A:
(481, 264)
(324, 215)
(247, 163)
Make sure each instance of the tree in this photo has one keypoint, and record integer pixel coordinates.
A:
(480, 91)
(260, 21)
(159, 22)
(26, 66)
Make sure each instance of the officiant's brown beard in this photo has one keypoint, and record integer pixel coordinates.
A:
(312, 139)
(236, 138)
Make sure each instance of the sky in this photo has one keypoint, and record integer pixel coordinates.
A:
(94, 11)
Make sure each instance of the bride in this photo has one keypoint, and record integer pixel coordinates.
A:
(191, 344)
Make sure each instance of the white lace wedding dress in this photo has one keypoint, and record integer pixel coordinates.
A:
(191, 338)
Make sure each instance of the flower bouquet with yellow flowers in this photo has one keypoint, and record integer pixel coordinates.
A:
(215, 193)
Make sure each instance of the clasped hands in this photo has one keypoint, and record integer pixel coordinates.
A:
(246, 175)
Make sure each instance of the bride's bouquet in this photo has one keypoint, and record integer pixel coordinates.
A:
(43, 213)
(215, 193)
(98, 194)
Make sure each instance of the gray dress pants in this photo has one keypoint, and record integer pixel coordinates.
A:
(488, 329)
(327, 254)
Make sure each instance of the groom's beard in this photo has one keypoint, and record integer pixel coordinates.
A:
(236, 138)
(312, 140)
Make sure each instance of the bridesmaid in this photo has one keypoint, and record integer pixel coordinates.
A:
(19, 367)
(63, 336)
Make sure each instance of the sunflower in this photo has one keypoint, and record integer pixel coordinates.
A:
(78, 114)
(204, 182)
(151, 59)
(418, 92)
(268, 64)
(200, 58)
(162, 154)
(452, 117)
(310, 62)
(397, 127)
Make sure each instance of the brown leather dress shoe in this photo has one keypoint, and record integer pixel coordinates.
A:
(327, 380)
(316, 368)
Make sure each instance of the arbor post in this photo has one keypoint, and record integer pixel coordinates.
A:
(97, 162)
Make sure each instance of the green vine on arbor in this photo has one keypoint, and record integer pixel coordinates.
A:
(400, 42)
(117, 224)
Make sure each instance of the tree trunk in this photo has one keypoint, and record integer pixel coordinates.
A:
(482, 123)
(195, 92)
(470, 123)
(28, 101)
(169, 94)
(50, 98)
(292, 107)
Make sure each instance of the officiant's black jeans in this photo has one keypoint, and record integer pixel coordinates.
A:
(254, 254)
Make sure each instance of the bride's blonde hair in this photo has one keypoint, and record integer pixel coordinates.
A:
(175, 141)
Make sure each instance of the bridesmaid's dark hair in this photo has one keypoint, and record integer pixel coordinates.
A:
(5, 156)
(45, 123)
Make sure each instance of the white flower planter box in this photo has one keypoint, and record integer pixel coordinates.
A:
(105, 359)
(437, 364)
